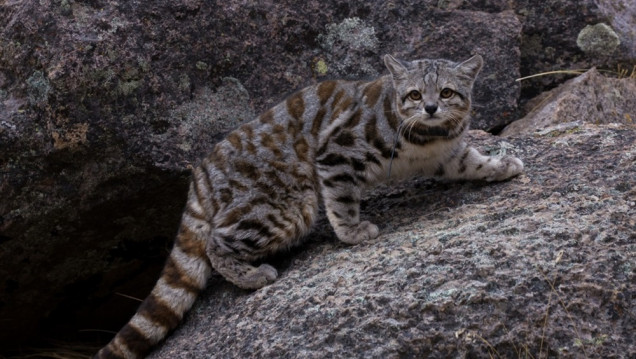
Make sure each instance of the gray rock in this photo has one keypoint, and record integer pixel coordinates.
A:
(590, 97)
(539, 266)
(622, 17)
(550, 32)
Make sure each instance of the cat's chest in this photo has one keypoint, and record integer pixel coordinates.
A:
(411, 160)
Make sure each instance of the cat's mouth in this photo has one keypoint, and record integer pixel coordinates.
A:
(424, 122)
(433, 119)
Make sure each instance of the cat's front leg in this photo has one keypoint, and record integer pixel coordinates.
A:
(467, 163)
(341, 195)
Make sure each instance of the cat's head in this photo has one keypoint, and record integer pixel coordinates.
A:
(433, 93)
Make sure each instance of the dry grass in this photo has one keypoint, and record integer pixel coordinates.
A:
(620, 73)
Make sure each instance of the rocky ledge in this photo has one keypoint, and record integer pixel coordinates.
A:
(540, 266)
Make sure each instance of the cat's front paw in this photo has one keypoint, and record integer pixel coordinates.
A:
(507, 167)
(355, 234)
(258, 277)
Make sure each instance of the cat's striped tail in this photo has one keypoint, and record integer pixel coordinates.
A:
(184, 275)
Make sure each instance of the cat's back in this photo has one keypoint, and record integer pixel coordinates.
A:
(300, 117)
(312, 108)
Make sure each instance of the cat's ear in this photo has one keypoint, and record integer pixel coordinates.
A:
(398, 71)
(471, 66)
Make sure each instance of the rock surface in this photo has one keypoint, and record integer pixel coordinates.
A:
(541, 266)
(622, 17)
(551, 29)
(590, 97)
(105, 105)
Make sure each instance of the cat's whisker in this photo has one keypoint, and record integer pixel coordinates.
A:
(395, 141)
(408, 123)
(412, 125)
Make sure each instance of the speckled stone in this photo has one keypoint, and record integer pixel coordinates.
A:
(541, 265)
(589, 97)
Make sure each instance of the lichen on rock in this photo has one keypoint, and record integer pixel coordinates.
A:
(347, 46)
(39, 88)
(194, 125)
(352, 33)
(599, 39)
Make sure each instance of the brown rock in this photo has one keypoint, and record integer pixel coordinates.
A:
(590, 97)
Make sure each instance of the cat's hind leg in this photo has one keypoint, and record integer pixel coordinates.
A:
(258, 230)
(240, 272)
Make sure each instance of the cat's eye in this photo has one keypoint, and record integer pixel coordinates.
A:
(415, 95)
(446, 93)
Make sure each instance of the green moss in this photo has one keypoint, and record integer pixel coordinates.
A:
(65, 8)
(143, 65)
(598, 341)
(130, 73)
(184, 82)
(449, 4)
(559, 130)
(112, 55)
(510, 231)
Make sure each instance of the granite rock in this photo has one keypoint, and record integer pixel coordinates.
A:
(540, 266)
(590, 97)
(550, 32)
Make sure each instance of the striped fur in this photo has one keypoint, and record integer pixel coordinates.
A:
(259, 190)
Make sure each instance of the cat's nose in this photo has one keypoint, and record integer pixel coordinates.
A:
(430, 109)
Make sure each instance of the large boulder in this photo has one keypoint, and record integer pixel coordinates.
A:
(590, 97)
(539, 266)
(551, 33)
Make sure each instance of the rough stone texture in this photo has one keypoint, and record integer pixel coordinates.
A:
(622, 15)
(590, 97)
(104, 105)
(550, 30)
(541, 266)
